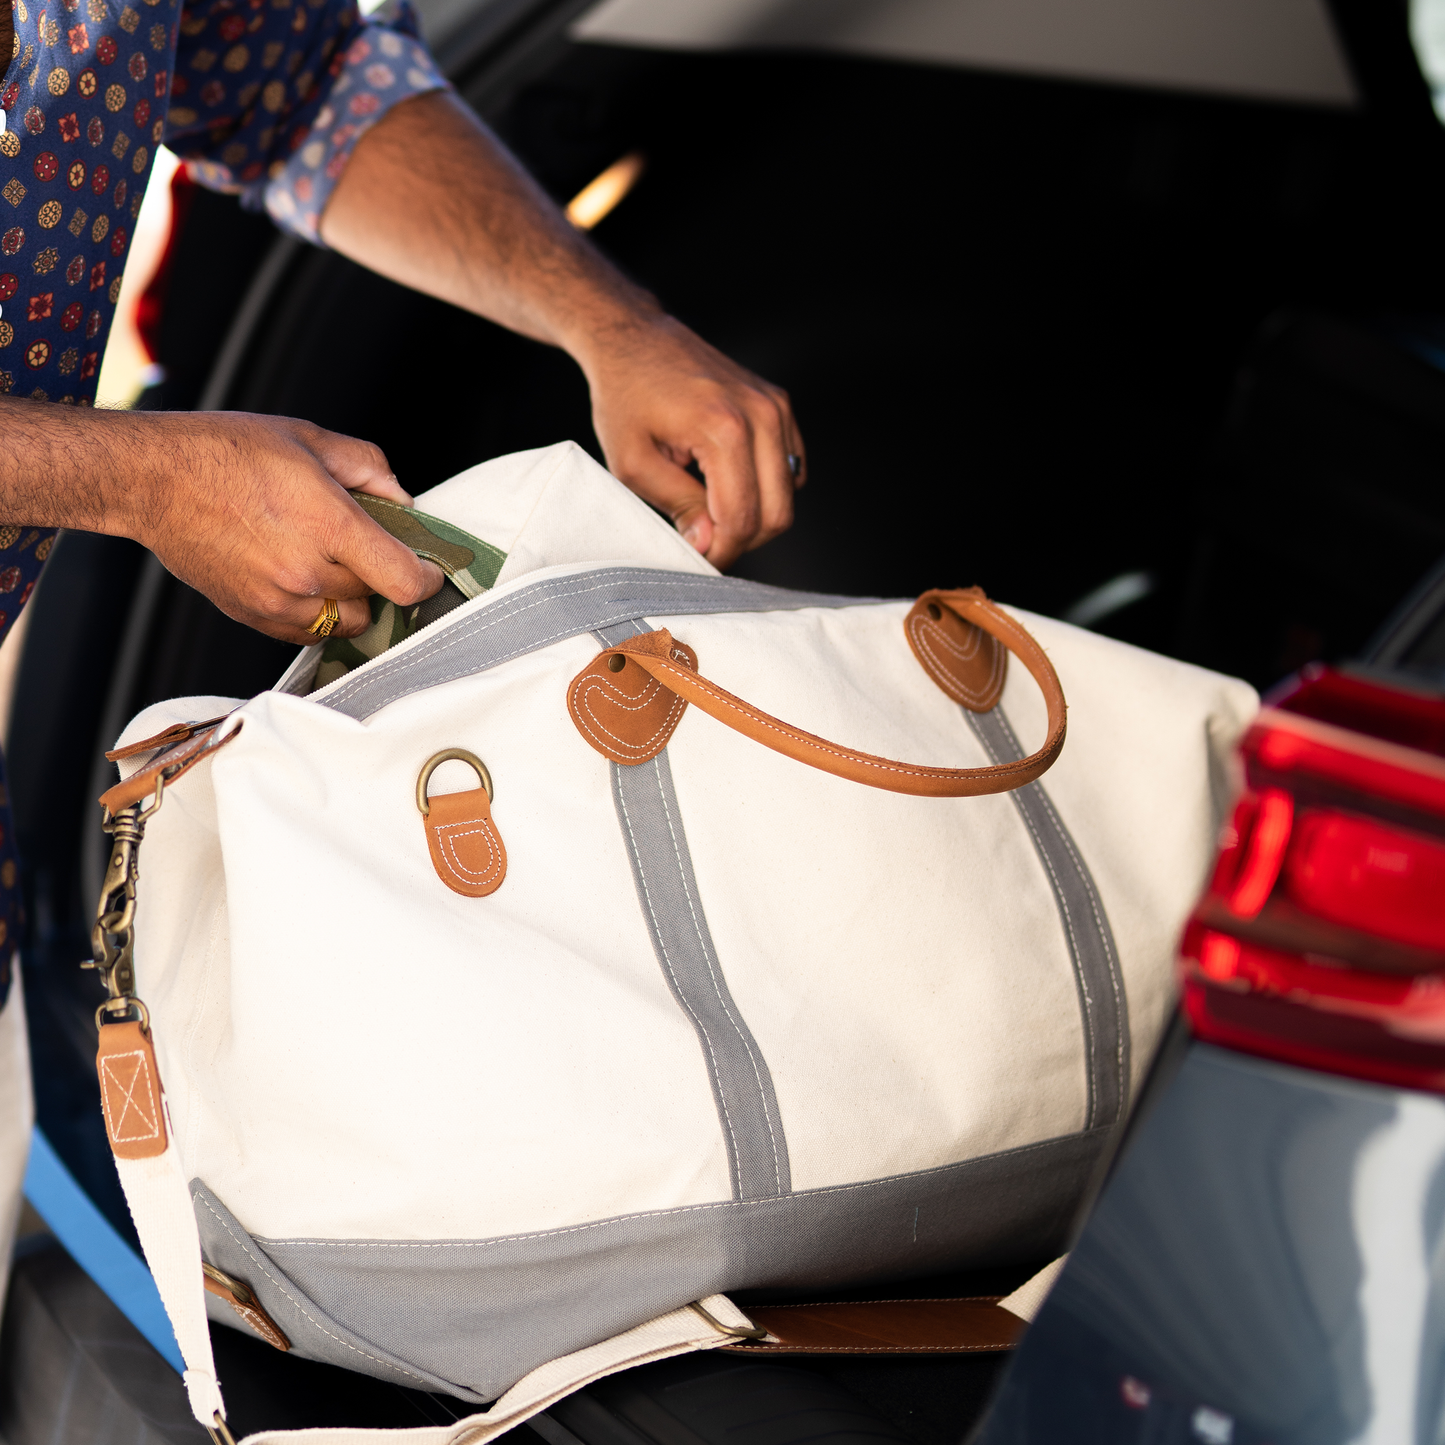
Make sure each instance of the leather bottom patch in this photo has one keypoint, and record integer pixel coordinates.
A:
(622, 710)
(466, 849)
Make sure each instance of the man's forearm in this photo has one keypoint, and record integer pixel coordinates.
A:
(64, 466)
(251, 510)
(431, 199)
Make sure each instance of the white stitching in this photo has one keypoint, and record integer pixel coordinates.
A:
(446, 839)
(717, 989)
(681, 1209)
(923, 641)
(645, 700)
(114, 1082)
(387, 1364)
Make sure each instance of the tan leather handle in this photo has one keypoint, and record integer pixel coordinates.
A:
(958, 638)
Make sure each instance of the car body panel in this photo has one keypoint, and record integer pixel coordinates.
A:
(1270, 1252)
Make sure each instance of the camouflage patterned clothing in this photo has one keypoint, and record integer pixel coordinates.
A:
(471, 567)
(264, 98)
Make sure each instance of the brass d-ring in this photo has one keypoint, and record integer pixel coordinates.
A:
(451, 755)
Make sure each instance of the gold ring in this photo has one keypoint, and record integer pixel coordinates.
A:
(327, 618)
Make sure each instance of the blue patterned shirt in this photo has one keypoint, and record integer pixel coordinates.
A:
(263, 98)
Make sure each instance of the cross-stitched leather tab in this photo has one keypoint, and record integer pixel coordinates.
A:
(130, 1092)
(621, 709)
(466, 849)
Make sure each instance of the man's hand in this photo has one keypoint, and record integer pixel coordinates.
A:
(663, 398)
(432, 199)
(260, 521)
(253, 511)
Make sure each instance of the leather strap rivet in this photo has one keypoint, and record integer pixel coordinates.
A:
(935, 611)
(616, 662)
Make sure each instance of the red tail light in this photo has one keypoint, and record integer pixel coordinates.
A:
(1321, 939)
(1368, 876)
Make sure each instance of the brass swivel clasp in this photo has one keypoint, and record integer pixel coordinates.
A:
(112, 939)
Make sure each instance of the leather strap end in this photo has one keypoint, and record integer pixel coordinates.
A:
(176, 733)
(885, 1327)
(171, 765)
(241, 1299)
(968, 664)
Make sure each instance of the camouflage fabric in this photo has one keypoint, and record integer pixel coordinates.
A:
(470, 564)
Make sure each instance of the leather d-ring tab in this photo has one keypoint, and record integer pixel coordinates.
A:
(964, 660)
(130, 1091)
(461, 836)
(621, 709)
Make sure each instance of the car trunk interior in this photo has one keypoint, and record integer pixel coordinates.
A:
(1040, 336)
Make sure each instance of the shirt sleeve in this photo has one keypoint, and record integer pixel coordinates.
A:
(269, 103)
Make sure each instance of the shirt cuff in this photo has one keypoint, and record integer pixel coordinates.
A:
(379, 69)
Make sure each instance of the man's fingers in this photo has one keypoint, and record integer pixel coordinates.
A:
(670, 489)
(749, 482)
(384, 564)
(359, 466)
(793, 439)
(774, 443)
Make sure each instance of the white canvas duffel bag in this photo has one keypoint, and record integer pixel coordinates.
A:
(521, 987)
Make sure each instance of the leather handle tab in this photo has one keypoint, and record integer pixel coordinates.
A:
(885, 1327)
(171, 765)
(654, 653)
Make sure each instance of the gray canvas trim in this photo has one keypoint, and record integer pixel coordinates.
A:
(312, 1332)
(537, 616)
(478, 1315)
(1097, 975)
(742, 1084)
(667, 890)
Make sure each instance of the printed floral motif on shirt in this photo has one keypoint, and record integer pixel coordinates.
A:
(264, 97)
